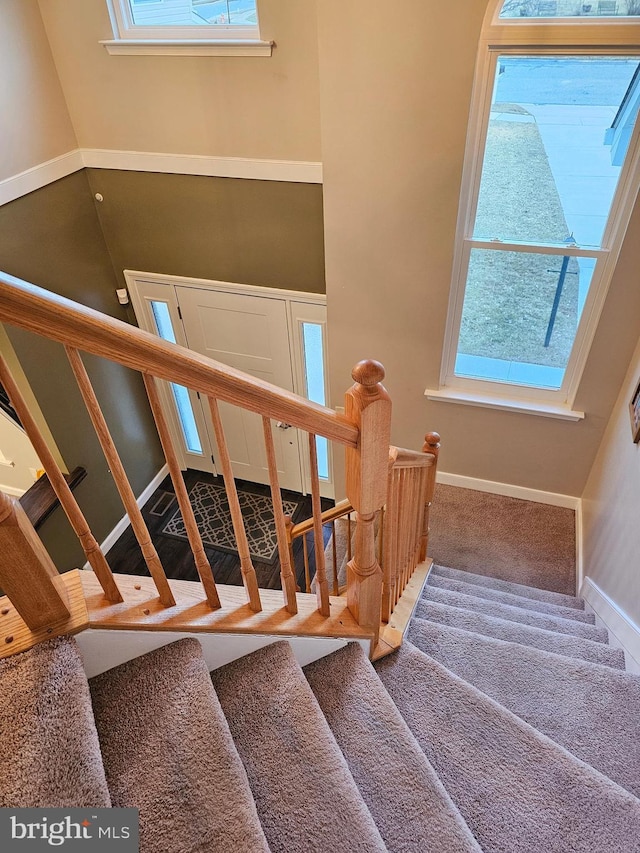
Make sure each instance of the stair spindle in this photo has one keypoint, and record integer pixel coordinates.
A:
(78, 522)
(286, 572)
(203, 566)
(322, 587)
(120, 478)
(247, 568)
(334, 554)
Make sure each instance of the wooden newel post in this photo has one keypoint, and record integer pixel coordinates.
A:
(368, 406)
(27, 574)
(431, 445)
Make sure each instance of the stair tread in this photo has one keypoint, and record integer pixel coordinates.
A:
(590, 709)
(168, 751)
(511, 783)
(510, 586)
(305, 795)
(516, 614)
(517, 632)
(509, 598)
(413, 811)
(47, 732)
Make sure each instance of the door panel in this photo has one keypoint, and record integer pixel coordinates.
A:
(251, 334)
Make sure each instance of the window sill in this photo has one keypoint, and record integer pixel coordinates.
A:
(187, 47)
(486, 401)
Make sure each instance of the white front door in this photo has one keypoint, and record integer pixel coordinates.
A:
(251, 334)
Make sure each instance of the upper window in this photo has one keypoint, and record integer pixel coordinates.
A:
(569, 9)
(548, 183)
(186, 21)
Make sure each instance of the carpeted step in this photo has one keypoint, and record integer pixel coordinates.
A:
(48, 740)
(518, 791)
(513, 600)
(515, 614)
(306, 797)
(516, 632)
(411, 809)
(591, 710)
(508, 586)
(168, 751)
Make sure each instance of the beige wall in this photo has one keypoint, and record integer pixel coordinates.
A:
(395, 98)
(611, 501)
(35, 122)
(262, 107)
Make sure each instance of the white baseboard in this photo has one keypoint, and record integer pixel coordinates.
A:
(508, 490)
(623, 631)
(40, 175)
(13, 491)
(122, 525)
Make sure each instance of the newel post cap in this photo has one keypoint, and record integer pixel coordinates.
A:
(368, 373)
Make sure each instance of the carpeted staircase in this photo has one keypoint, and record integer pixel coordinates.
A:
(505, 723)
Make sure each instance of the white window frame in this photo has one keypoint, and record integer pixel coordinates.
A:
(197, 40)
(526, 37)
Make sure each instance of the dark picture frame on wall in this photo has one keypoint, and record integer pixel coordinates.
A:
(634, 411)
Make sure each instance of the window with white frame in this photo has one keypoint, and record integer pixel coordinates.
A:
(551, 174)
(185, 21)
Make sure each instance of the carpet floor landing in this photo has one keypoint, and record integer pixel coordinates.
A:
(504, 724)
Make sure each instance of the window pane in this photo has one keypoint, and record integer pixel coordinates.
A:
(180, 395)
(173, 13)
(315, 385)
(557, 136)
(569, 9)
(508, 333)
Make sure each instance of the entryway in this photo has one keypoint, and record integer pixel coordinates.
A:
(277, 336)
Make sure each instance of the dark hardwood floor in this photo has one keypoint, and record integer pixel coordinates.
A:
(175, 554)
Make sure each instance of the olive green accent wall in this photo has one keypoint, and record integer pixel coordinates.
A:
(264, 233)
(52, 238)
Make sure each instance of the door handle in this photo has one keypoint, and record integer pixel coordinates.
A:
(283, 425)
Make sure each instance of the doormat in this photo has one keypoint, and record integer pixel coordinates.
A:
(213, 517)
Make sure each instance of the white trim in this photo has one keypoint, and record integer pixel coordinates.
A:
(624, 632)
(40, 175)
(294, 171)
(134, 277)
(13, 491)
(509, 490)
(111, 538)
(291, 171)
(104, 649)
(187, 47)
(487, 401)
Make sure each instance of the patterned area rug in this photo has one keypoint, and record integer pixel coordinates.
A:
(211, 509)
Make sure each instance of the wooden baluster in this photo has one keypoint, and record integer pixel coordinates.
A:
(431, 445)
(78, 522)
(389, 565)
(247, 569)
(120, 478)
(286, 572)
(27, 574)
(203, 566)
(349, 538)
(405, 491)
(334, 553)
(307, 572)
(368, 406)
(322, 587)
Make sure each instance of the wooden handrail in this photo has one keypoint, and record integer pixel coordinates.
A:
(403, 458)
(60, 319)
(306, 526)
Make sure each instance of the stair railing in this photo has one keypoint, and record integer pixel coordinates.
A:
(403, 532)
(406, 517)
(364, 432)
